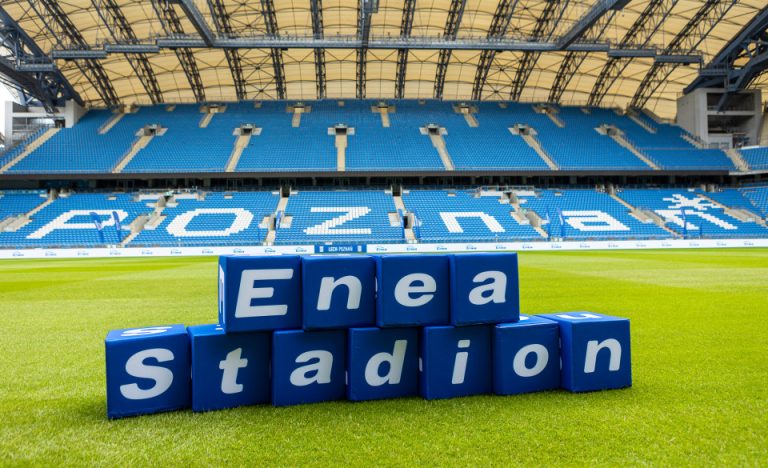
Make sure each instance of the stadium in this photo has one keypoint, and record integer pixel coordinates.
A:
(620, 147)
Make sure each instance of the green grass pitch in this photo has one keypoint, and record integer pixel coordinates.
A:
(699, 349)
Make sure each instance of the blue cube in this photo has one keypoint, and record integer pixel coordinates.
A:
(383, 363)
(308, 367)
(526, 356)
(147, 370)
(455, 361)
(413, 290)
(484, 288)
(259, 293)
(338, 291)
(595, 350)
(229, 370)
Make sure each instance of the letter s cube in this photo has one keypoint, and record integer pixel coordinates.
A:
(595, 349)
(147, 370)
(259, 293)
(484, 288)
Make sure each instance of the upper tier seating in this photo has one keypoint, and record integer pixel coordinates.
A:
(688, 213)
(491, 145)
(221, 218)
(68, 222)
(759, 198)
(185, 147)
(587, 214)
(756, 158)
(16, 203)
(338, 217)
(464, 216)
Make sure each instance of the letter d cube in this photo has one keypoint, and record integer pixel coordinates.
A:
(228, 370)
(383, 363)
(595, 350)
(147, 370)
(526, 356)
(484, 288)
(455, 361)
(259, 293)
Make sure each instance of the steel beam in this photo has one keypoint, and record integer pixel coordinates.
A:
(687, 40)
(223, 27)
(29, 69)
(172, 25)
(739, 60)
(275, 53)
(409, 7)
(642, 30)
(452, 23)
(198, 21)
(591, 17)
(118, 26)
(545, 26)
(316, 7)
(62, 29)
(499, 25)
(364, 11)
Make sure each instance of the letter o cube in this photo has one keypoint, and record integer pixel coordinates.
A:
(147, 370)
(595, 350)
(526, 356)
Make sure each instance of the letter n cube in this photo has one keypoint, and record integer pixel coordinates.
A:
(595, 350)
(484, 288)
(383, 363)
(308, 367)
(259, 293)
(228, 370)
(455, 361)
(147, 370)
(526, 356)
(338, 291)
(412, 290)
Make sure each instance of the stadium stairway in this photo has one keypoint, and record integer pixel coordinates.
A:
(383, 111)
(439, 143)
(644, 216)
(138, 145)
(31, 147)
(107, 126)
(735, 156)
(535, 145)
(340, 142)
(646, 125)
(621, 138)
(410, 237)
(741, 214)
(13, 224)
(241, 142)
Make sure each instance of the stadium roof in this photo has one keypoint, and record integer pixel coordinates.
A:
(599, 52)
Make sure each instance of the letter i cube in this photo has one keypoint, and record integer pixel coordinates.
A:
(228, 370)
(147, 370)
(259, 293)
(455, 361)
(595, 350)
(484, 288)
(526, 356)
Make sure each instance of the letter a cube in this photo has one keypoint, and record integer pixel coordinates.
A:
(484, 288)
(308, 367)
(383, 363)
(259, 293)
(412, 290)
(338, 291)
(228, 370)
(526, 356)
(595, 350)
(455, 361)
(147, 370)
